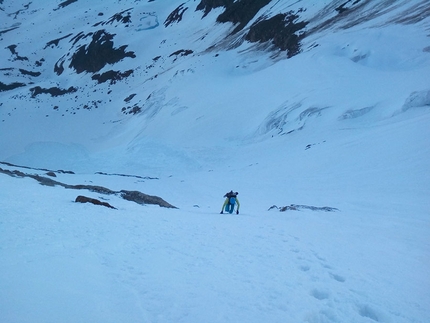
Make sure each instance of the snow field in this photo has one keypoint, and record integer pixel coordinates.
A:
(344, 125)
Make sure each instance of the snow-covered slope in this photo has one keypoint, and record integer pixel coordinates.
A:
(101, 75)
(312, 103)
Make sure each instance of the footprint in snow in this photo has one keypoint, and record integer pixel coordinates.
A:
(337, 277)
(320, 294)
(305, 268)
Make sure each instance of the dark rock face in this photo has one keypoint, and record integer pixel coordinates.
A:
(123, 17)
(111, 76)
(281, 30)
(55, 42)
(4, 31)
(14, 52)
(11, 86)
(130, 97)
(207, 5)
(237, 12)
(181, 53)
(241, 12)
(135, 109)
(53, 91)
(175, 15)
(141, 198)
(65, 4)
(97, 54)
(30, 73)
(84, 199)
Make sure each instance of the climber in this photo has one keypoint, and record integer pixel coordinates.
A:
(229, 203)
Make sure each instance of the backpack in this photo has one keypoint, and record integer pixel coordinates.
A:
(231, 194)
(232, 200)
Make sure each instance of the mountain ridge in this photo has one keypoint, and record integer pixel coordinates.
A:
(104, 66)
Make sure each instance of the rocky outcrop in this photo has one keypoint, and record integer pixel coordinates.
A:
(53, 91)
(240, 13)
(282, 31)
(111, 76)
(175, 15)
(141, 198)
(84, 199)
(10, 86)
(94, 56)
(134, 196)
(295, 207)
